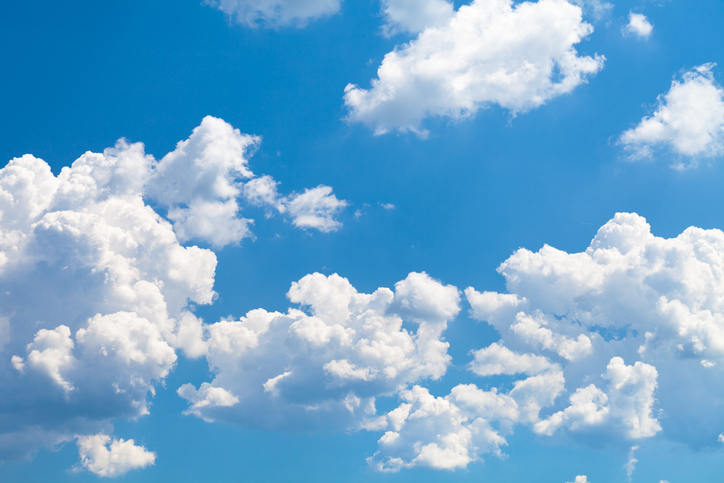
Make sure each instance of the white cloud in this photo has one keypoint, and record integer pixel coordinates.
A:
(414, 16)
(116, 459)
(315, 208)
(689, 119)
(98, 292)
(638, 25)
(631, 294)
(497, 359)
(201, 183)
(630, 465)
(581, 479)
(275, 13)
(324, 368)
(489, 53)
(627, 404)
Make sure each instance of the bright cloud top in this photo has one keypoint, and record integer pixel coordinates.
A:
(275, 13)
(488, 53)
(114, 459)
(638, 25)
(98, 290)
(689, 119)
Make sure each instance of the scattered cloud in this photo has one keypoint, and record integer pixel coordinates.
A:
(580, 479)
(689, 120)
(110, 458)
(488, 53)
(275, 13)
(638, 25)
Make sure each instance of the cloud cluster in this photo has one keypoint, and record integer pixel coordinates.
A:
(486, 53)
(97, 291)
(648, 311)
(323, 368)
(275, 13)
(689, 120)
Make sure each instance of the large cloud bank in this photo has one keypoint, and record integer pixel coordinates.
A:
(97, 289)
(490, 52)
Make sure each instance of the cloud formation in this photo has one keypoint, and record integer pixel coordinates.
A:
(323, 368)
(275, 13)
(488, 53)
(97, 289)
(110, 458)
(651, 310)
(638, 25)
(689, 120)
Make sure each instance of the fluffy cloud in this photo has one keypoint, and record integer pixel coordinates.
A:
(581, 479)
(97, 289)
(650, 309)
(315, 208)
(325, 367)
(689, 119)
(489, 52)
(116, 459)
(275, 13)
(638, 25)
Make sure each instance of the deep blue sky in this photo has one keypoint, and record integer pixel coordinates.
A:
(78, 75)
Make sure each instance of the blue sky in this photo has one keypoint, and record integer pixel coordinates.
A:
(133, 274)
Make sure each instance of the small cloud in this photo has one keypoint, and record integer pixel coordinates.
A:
(387, 206)
(638, 25)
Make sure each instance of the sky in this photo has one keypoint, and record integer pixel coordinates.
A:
(344, 241)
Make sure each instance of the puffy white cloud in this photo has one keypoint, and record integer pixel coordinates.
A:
(490, 52)
(325, 367)
(414, 16)
(201, 183)
(451, 432)
(627, 404)
(689, 119)
(581, 479)
(97, 291)
(638, 25)
(275, 13)
(315, 208)
(633, 296)
(114, 459)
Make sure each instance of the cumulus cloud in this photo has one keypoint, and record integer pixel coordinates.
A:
(649, 307)
(97, 289)
(689, 120)
(110, 458)
(275, 13)
(488, 53)
(315, 208)
(638, 25)
(324, 367)
(580, 479)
